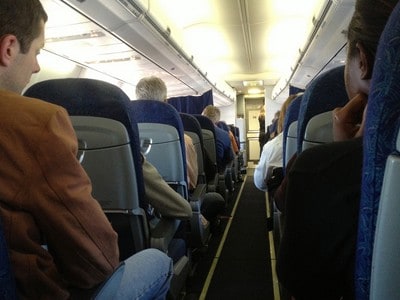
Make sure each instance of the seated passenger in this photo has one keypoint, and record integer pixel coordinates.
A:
(317, 251)
(61, 244)
(224, 149)
(271, 154)
(272, 128)
(234, 145)
(230, 172)
(153, 88)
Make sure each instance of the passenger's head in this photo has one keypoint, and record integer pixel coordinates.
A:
(212, 112)
(21, 39)
(364, 31)
(282, 112)
(151, 88)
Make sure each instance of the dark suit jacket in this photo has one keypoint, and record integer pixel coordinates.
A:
(316, 255)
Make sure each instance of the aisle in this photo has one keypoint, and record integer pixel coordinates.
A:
(243, 269)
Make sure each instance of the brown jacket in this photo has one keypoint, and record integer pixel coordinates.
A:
(45, 197)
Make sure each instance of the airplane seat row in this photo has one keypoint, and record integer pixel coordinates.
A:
(160, 123)
(289, 143)
(229, 170)
(378, 244)
(200, 234)
(110, 153)
(308, 120)
(308, 123)
(193, 129)
(215, 181)
(377, 266)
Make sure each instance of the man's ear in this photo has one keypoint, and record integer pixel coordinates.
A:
(366, 62)
(9, 46)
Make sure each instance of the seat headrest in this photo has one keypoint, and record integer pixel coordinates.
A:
(325, 93)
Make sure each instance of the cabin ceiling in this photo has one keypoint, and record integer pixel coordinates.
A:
(196, 45)
(242, 40)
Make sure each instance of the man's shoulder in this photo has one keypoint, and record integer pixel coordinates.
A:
(23, 103)
(221, 134)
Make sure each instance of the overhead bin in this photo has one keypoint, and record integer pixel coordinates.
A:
(130, 22)
(322, 52)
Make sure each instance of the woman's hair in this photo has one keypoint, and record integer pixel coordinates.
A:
(367, 24)
(22, 19)
(282, 112)
(262, 110)
(151, 88)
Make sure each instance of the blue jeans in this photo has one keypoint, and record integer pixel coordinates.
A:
(145, 275)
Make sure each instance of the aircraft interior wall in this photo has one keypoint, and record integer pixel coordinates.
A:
(228, 113)
(53, 67)
(271, 107)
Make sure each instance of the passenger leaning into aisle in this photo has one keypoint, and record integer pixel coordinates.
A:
(45, 193)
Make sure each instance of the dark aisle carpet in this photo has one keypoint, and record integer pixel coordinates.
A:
(204, 259)
(244, 268)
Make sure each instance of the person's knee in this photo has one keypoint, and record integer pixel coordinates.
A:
(213, 204)
(215, 198)
(158, 258)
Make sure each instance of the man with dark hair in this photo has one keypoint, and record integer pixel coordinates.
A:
(61, 244)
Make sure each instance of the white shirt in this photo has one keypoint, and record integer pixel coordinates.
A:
(271, 156)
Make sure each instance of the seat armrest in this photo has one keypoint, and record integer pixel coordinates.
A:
(198, 193)
(163, 233)
(213, 183)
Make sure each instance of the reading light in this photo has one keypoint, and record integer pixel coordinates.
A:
(253, 83)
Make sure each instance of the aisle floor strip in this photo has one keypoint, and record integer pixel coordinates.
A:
(221, 245)
(275, 282)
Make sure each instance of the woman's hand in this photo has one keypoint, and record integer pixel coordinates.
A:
(348, 121)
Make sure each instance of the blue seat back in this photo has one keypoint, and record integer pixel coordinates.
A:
(193, 129)
(110, 148)
(379, 206)
(89, 97)
(7, 281)
(208, 131)
(292, 113)
(325, 93)
(162, 123)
